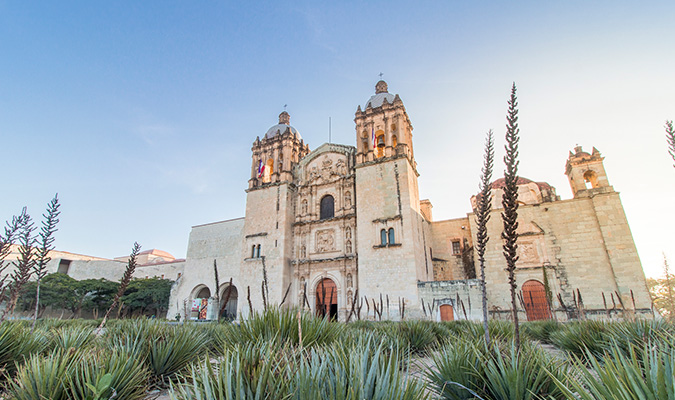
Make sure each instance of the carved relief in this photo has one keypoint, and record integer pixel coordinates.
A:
(327, 171)
(527, 253)
(325, 240)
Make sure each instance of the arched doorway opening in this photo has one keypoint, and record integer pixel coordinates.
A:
(447, 313)
(228, 302)
(326, 299)
(534, 297)
(200, 302)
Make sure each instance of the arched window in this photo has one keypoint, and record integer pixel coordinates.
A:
(257, 251)
(591, 179)
(380, 146)
(392, 238)
(269, 170)
(303, 208)
(383, 237)
(348, 199)
(253, 251)
(327, 207)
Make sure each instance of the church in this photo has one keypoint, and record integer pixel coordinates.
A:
(340, 230)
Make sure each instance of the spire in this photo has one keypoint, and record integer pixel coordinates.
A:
(381, 87)
(284, 118)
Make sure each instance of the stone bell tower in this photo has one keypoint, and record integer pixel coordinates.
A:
(586, 173)
(267, 235)
(392, 251)
(274, 157)
(383, 128)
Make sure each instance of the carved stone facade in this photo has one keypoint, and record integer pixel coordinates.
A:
(350, 218)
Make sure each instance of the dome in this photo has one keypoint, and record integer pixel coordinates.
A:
(281, 127)
(381, 93)
(501, 183)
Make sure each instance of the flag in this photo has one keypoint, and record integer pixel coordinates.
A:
(261, 169)
(372, 136)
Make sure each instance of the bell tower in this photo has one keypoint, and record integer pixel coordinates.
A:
(274, 157)
(392, 251)
(383, 128)
(267, 234)
(586, 173)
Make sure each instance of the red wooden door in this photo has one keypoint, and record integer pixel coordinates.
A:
(326, 298)
(534, 297)
(447, 313)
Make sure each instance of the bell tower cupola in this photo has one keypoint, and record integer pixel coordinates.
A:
(275, 155)
(586, 173)
(383, 129)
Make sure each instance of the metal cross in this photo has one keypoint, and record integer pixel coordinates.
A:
(285, 105)
(381, 75)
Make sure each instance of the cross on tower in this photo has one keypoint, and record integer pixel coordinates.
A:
(381, 75)
(285, 105)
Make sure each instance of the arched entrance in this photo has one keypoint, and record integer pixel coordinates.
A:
(200, 302)
(534, 297)
(228, 302)
(326, 299)
(447, 313)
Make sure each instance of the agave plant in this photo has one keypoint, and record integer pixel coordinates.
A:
(71, 337)
(283, 325)
(107, 375)
(581, 338)
(541, 330)
(42, 377)
(527, 374)
(250, 371)
(16, 344)
(646, 372)
(457, 371)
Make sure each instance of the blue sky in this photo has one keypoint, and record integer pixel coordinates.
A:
(141, 115)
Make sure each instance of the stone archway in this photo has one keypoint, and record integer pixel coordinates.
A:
(326, 299)
(199, 302)
(229, 297)
(534, 297)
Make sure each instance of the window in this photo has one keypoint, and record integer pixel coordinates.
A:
(392, 238)
(327, 207)
(257, 251)
(253, 251)
(383, 237)
(64, 266)
(456, 247)
(394, 141)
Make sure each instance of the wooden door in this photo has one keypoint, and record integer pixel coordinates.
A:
(534, 297)
(447, 313)
(326, 299)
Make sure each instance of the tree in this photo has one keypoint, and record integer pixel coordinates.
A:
(126, 278)
(58, 291)
(510, 204)
(45, 245)
(670, 138)
(482, 218)
(95, 295)
(663, 292)
(23, 267)
(147, 295)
